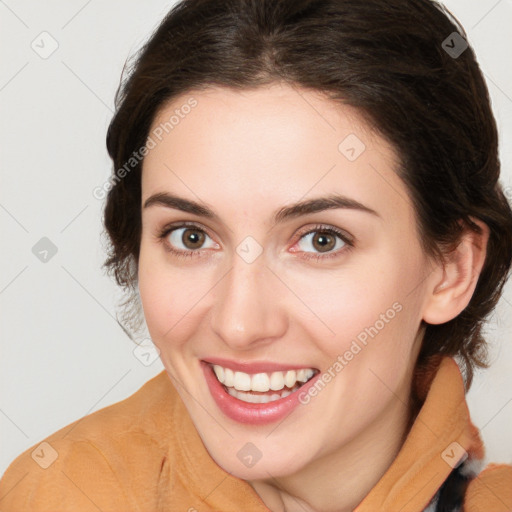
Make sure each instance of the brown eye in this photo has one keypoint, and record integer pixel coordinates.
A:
(188, 238)
(322, 241)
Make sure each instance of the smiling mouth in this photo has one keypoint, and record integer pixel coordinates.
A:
(262, 388)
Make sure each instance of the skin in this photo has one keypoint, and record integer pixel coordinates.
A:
(246, 154)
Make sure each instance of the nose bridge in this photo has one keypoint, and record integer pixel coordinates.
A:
(246, 310)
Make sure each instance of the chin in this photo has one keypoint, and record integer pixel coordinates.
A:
(252, 463)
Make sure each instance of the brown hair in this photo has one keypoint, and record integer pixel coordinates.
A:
(390, 59)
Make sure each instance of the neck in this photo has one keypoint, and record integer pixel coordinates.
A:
(339, 481)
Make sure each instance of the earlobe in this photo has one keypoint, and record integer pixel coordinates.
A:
(451, 293)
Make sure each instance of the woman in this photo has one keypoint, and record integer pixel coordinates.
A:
(305, 200)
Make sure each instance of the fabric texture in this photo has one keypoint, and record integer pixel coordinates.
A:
(143, 454)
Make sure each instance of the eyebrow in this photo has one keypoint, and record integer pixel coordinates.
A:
(301, 208)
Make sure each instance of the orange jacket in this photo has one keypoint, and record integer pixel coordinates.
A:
(144, 454)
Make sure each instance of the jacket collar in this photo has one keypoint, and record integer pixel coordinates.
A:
(441, 437)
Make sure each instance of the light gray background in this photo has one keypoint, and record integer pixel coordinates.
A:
(62, 353)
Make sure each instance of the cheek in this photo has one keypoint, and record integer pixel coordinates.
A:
(372, 311)
(173, 298)
(375, 319)
(367, 295)
(163, 292)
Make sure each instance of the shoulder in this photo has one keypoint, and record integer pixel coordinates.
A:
(490, 490)
(113, 454)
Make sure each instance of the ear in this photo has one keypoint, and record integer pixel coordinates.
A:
(455, 279)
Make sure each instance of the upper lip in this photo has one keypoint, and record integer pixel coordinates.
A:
(254, 366)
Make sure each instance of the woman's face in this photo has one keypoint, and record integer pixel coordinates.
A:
(264, 288)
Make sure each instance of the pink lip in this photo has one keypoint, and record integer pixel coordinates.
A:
(249, 413)
(253, 366)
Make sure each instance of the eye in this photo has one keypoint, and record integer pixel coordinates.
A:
(327, 241)
(185, 240)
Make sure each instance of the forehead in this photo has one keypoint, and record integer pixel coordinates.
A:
(274, 144)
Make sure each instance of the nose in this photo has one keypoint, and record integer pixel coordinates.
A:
(247, 311)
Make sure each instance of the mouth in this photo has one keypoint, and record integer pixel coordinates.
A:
(257, 397)
(263, 387)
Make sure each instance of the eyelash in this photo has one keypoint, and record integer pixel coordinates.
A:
(349, 244)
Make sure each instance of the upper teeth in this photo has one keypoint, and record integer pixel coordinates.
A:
(261, 381)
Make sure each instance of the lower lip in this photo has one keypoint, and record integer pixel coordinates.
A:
(249, 413)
